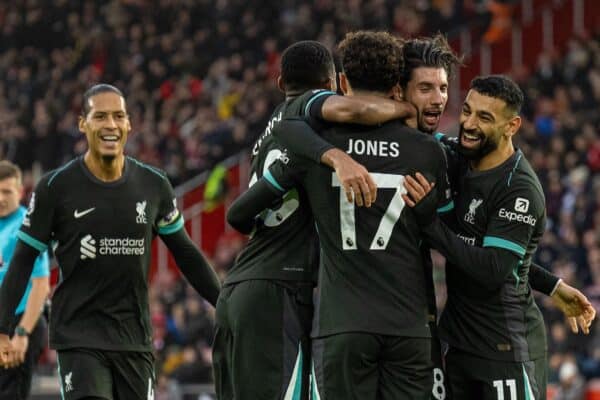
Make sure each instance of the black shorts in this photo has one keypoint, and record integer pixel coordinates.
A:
(359, 366)
(111, 375)
(261, 348)
(438, 390)
(15, 383)
(474, 378)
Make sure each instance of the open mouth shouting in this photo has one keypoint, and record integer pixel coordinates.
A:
(431, 117)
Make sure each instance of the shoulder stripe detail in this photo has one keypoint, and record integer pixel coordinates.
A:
(492, 241)
(447, 207)
(148, 167)
(439, 136)
(316, 96)
(58, 171)
(514, 168)
(269, 177)
(36, 244)
(172, 228)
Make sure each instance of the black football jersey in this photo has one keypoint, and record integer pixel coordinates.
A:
(101, 234)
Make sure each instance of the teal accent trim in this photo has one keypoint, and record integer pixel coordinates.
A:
(438, 136)
(492, 241)
(527, 385)
(446, 208)
(58, 171)
(36, 244)
(298, 386)
(515, 273)
(172, 228)
(148, 167)
(312, 100)
(269, 177)
(514, 168)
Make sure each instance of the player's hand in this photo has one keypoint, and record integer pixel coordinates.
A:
(575, 306)
(355, 179)
(19, 345)
(417, 189)
(7, 355)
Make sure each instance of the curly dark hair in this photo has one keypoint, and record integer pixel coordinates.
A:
(432, 52)
(500, 87)
(371, 60)
(306, 65)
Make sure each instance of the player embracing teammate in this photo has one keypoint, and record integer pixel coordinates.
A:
(352, 357)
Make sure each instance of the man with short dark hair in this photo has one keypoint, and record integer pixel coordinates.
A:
(493, 327)
(27, 327)
(100, 213)
(264, 311)
(371, 337)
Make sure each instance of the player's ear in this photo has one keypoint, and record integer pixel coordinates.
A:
(81, 124)
(513, 126)
(396, 93)
(344, 84)
(280, 84)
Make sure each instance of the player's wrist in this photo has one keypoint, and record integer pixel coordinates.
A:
(22, 331)
(332, 157)
(556, 288)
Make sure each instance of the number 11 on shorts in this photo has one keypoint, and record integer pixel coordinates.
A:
(512, 386)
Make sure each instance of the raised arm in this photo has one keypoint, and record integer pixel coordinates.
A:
(366, 110)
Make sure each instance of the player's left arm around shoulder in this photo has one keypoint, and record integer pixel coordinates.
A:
(367, 110)
(488, 266)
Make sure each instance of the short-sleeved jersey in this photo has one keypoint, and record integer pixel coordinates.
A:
(101, 234)
(9, 226)
(283, 247)
(371, 276)
(504, 208)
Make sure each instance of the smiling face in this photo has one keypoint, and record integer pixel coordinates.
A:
(106, 126)
(427, 90)
(485, 125)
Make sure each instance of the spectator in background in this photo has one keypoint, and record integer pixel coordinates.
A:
(572, 386)
(28, 328)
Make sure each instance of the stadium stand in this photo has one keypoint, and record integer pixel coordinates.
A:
(199, 79)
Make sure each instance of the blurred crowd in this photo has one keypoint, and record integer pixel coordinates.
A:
(199, 78)
(562, 141)
(198, 74)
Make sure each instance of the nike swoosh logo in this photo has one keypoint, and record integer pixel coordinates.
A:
(79, 214)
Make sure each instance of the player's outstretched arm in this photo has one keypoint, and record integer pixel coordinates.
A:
(366, 110)
(298, 137)
(575, 306)
(243, 212)
(193, 265)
